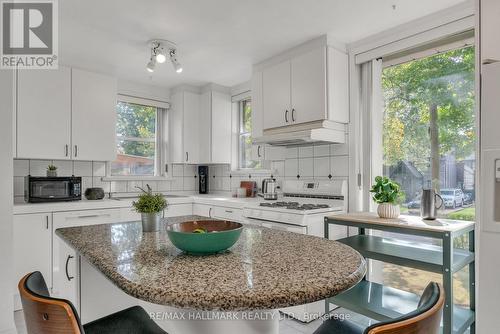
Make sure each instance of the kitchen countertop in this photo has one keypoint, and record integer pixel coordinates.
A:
(265, 269)
(117, 202)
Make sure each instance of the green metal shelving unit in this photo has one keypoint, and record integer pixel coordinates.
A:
(381, 302)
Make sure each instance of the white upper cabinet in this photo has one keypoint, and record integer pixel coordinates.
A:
(44, 114)
(308, 86)
(276, 95)
(191, 127)
(490, 40)
(257, 105)
(93, 116)
(221, 128)
(65, 114)
(176, 120)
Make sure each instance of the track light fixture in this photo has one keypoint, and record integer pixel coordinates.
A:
(160, 49)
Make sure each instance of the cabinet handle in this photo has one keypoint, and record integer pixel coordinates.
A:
(66, 150)
(92, 216)
(76, 151)
(210, 213)
(187, 156)
(286, 116)
(47, 222)
(67, 263)
(258, 151)
(229, 211)
(293, 117)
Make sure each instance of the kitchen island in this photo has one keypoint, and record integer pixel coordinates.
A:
(265, 270)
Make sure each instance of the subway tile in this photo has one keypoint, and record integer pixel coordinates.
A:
(291, 152)
(321, 150)
(339, 166)
(225, 170)
(21, 167)
(18, 186)
(190, 170)
(82, 168)
(226, 184)
(64, 167)
(278, 167)
(306, 167)
(132, 186)
(86, 183)
(118, 186)
(190, 183)
(321, 167)
(163, 185)
(339, 149)
(291, 167)
(152, 184)
(305, 152)
(97, 182)
(98, 168)
(177, 184)
(39, 167)
(177, 170)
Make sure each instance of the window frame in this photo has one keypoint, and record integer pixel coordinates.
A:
(161, 135)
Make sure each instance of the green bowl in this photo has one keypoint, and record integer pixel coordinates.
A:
(219, 235)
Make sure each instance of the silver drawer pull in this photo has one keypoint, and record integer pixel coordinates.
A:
(92, 216)
(229, 211)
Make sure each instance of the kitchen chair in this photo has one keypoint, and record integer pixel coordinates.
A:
(425, 319)
(46, 315)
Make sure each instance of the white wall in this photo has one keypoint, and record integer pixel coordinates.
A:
(6, 186)
(144, 91)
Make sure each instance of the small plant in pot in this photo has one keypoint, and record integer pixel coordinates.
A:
(388, 195)
(51, 171)
(151, 207)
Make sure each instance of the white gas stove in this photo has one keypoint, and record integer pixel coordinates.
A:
(303, 207)
(302, 210)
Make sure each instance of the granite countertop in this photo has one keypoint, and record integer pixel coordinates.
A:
(405, 222)
(265, 269)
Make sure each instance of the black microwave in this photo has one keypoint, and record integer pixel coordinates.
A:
(52, 189)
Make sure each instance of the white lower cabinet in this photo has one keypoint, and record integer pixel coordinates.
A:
(203, 210)
(32, 239)
(65, 278)
(219, 212)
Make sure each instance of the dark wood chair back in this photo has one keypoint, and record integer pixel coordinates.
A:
(426, 319)
(44, 314)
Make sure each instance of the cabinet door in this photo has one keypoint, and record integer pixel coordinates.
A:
(191, 127)
(65, 275)
(258, 152)
(205, 129)
(175, 210)
(221, 128)
(276, 95)
(309, 86)
(93, 116)
(176, 120)
(44, 114)
(257, 105)
(490, 40)
(203, 210)
(31, 235)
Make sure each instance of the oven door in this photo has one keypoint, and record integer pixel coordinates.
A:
(51, 190)
(278, 226)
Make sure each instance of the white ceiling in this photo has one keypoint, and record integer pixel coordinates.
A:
(218, 40)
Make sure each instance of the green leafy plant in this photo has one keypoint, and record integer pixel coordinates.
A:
(149, 202)
(386, 191)
(51, 167)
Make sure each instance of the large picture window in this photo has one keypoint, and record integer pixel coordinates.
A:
(136, 140)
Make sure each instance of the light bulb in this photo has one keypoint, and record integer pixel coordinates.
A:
(175, 62)
(161, 58)
(178, 67)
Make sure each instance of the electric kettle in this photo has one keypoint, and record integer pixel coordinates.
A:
(269, 189)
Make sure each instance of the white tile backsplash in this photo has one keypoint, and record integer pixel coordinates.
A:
(64, 167)
(177, 170)
(98, 168)
(18, 186)
(21, 167)
(190, 170)
(132, 186)
(321, 166)
(306, 152)
(291, 167)
(306, 167)
(291, 152)
(339, 165)
(118, 186)
(82, 168)
(39, 167)
(321, 150)
(98, 183)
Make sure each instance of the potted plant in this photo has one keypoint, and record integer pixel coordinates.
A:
(150, 206)
(51, 171)
(388, 195)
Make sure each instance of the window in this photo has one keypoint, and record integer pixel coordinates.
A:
(245, 135)
(137, 140)
(429, 141)
(429, 130)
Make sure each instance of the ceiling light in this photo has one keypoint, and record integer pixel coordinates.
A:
(160, 49)
(151, 65)
(175, 62)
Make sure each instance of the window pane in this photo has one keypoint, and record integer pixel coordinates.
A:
(246, 117)
(429, 133)
(245, 147)
(135, 138)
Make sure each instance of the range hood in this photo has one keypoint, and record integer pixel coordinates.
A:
(304, 134)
